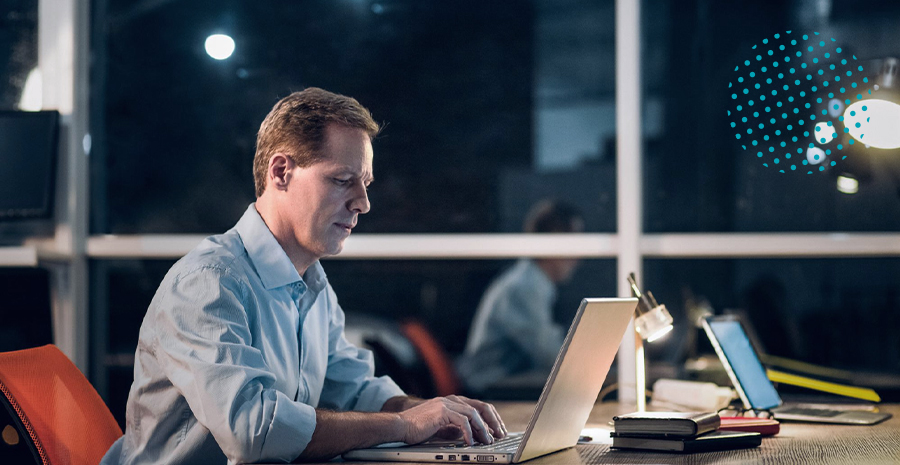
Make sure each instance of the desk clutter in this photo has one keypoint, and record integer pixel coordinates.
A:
(685, 432)
(690, 396)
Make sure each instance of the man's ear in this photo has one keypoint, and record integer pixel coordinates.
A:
(279, 171)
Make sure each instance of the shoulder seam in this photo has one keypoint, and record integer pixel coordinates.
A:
(223, 268)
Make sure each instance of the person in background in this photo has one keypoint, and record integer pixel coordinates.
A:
(241, 356)
(513, 331)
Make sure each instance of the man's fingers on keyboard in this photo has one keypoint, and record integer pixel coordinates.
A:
(488, 413)
(479, 429)
(462, 422)
(494, 421)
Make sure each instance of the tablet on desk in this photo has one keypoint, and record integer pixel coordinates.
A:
(753, 385)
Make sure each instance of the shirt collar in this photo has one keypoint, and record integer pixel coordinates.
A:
(315, 278)
(271, 262)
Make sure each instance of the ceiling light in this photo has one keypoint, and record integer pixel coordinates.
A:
(874, 122)
(824, 132)
(847, 184)
(815, 155)
(219, 46)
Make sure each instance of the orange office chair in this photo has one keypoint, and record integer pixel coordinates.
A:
(443, 373)
(63, 416)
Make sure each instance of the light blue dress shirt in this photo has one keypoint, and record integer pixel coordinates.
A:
(235, 354)
(513, 331)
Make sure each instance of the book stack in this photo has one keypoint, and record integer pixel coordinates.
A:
(678, 432)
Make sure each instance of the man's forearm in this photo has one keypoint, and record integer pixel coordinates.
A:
(400, 403)
(338, 432)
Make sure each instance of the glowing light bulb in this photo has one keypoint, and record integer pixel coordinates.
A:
(219, 46)
(874, 122)
(815, 155)
(834, 107)
(824, 133)
(847, 185)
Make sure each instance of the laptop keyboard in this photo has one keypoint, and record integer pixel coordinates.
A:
(508, 444)
(812, 412)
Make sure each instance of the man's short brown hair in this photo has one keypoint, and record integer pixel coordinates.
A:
(296, 127)
(552, 216)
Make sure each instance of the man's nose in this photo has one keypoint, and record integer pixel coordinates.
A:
(360, 201)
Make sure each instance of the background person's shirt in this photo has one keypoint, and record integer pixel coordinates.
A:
(513, 330)
(235, 353)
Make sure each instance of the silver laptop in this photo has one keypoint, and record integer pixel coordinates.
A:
(566, 401)
(753, 386)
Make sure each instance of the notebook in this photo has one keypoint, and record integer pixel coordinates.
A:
(565, 403)
(753, 385)
(666, 424)
(716, 440)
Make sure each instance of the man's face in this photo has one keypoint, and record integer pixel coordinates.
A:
(325, 199)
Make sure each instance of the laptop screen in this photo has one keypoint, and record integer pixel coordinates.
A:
(744, 363)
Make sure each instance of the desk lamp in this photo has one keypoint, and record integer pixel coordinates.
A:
(651, 322)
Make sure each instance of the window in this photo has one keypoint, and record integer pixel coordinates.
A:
(488, 107)
(698, 178)
(834, 312)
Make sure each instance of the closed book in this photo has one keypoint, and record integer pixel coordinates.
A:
(716, 440)
(666, 424)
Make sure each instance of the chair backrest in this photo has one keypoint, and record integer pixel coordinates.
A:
(443, 373)
(62, 413)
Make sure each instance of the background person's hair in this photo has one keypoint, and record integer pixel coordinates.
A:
(551, 216)
(296, 127)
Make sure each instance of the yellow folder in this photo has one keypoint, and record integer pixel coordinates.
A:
(840, 389)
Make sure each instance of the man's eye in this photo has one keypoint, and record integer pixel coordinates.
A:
(341, 182)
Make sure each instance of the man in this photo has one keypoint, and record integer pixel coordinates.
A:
(241, 356)
(513, 332)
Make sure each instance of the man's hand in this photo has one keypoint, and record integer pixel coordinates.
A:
(453, 416)
(406, 419)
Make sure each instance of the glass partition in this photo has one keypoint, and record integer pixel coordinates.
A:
(700, 179)
(486, 107)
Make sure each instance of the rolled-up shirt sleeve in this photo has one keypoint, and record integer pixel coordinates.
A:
(350, 382)
(204, 349)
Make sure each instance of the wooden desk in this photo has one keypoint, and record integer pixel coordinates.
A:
(796, 443)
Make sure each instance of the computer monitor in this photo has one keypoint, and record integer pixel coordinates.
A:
(28, 153)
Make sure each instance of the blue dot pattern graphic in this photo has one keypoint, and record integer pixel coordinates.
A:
(788, 86)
